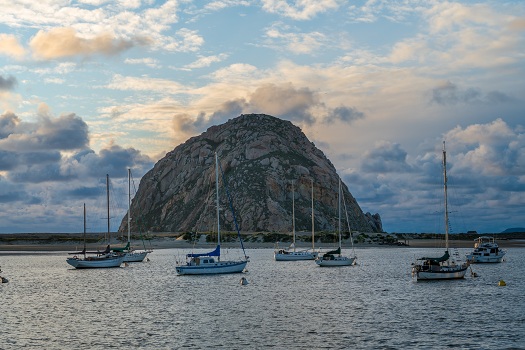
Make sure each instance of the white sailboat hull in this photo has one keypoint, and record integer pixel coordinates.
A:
(92, 263)
(135, 256)
(442, 274)
(494, 258)
(221, 267)
(336, 261)
(294, 256)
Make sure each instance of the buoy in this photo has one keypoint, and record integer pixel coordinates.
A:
(502, 283)
(244, 281)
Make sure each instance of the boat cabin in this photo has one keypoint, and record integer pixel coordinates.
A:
(198, 261)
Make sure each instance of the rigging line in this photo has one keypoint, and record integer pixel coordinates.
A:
(348, 223)
(233, 211)
(140, 220)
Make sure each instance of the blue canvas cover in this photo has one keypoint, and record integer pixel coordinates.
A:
(216, 252)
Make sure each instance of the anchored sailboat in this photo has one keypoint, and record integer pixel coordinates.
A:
(291, 254)
(210, 263)
(96, 259)
(444, 267)
(130, 254)
(334, 257)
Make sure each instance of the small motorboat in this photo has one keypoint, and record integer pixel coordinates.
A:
(486, 250)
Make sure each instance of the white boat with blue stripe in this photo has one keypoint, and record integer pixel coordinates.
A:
(210, 263)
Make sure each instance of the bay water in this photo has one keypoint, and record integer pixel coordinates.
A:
(286, 305)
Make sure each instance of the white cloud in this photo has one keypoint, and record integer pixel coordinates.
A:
(297, 43)
(10, 46)
(150, 62)
(300, 10)
(120, 82)
(493, 149)
(206, 61)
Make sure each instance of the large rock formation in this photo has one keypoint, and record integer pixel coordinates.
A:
(260, 156)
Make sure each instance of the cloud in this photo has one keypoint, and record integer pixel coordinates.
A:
(52, 166)
(386, 157)
(206, 61)
(184, 40)
(485, 167)
(67, 132)
(123, 83)
(8, 124)
(187, 125)
(517, 24)
(13, 194)
(297, 43)
(299, 10)
(228, 110)
(493, 149)
(113, 160)
(284, 101)
(150, 62)
(7, 83)
(10, 46)
(66, 42)
(8, 160)
(449, 93)
(344, 114)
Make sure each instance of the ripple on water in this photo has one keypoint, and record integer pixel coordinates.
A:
(286, 305)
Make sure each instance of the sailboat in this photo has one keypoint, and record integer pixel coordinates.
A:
(96, 259)
(130, 254)
(211, 263)
(444, 267)
(334, 257)
(291, 254)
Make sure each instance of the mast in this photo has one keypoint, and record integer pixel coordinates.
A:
(107, 197)
(217, 195)
(129, 206)
(84, 230)
(446, 197)
(313, 222)
(339, 205)
(293, 215)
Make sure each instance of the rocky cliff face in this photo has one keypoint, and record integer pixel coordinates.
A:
(260, 156)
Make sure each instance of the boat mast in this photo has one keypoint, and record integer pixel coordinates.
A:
(446, 197)
(84, 230)
(313, 222)
(129, 206)
(339, 205)
(107, 197)
(217, 195)
(293, 216)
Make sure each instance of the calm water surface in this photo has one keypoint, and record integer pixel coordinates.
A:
(286, 305)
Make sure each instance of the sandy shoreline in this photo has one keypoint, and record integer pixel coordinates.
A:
(169, 243)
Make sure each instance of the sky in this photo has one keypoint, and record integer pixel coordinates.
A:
(96, 87)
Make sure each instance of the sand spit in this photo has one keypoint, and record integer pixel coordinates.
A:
(42, 242)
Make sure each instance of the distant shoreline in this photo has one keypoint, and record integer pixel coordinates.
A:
(71, 242)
